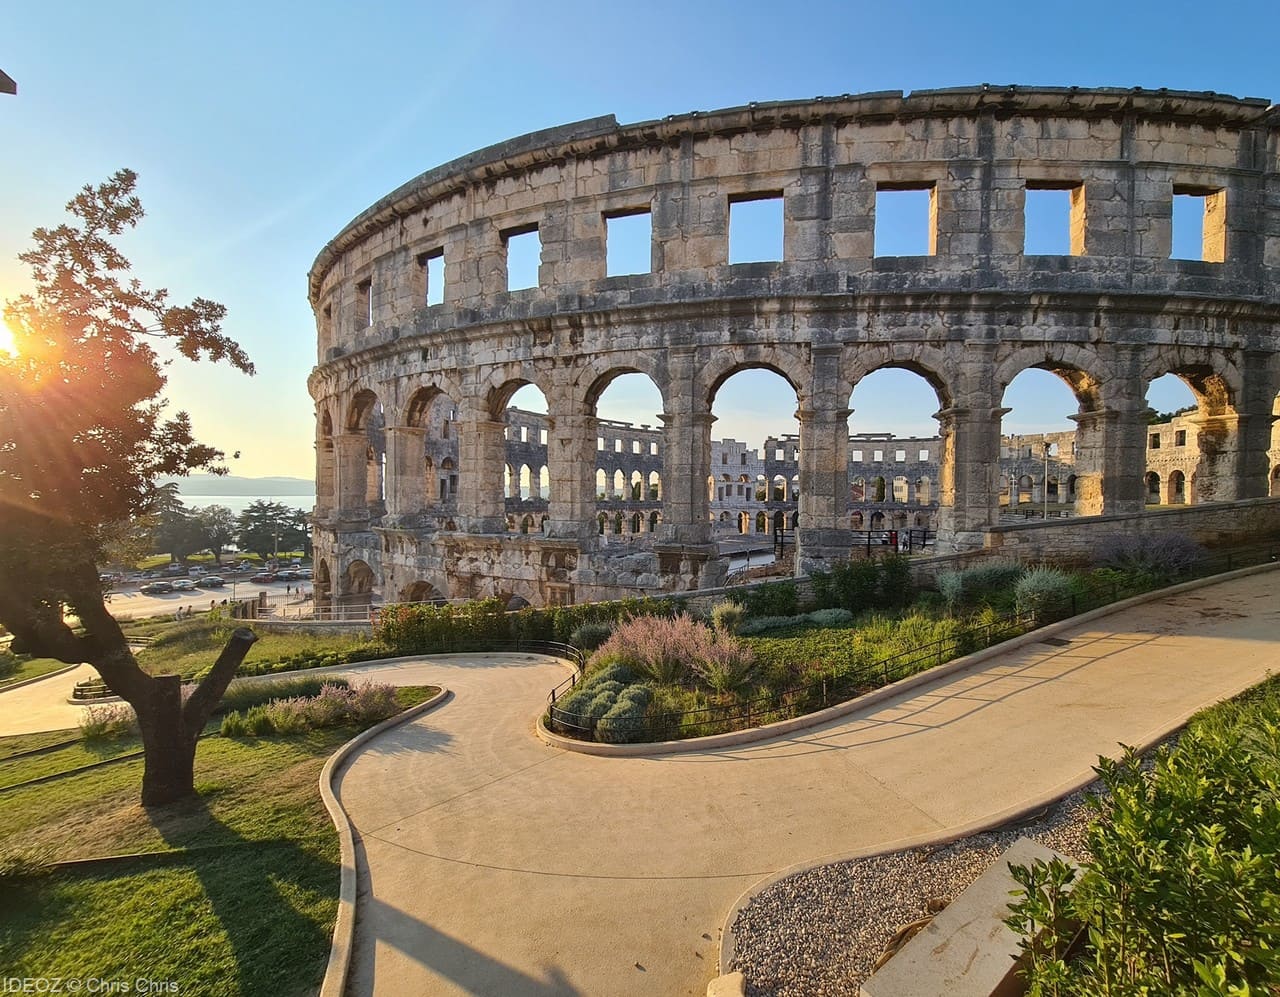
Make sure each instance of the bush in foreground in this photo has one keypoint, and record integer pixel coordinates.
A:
(333, 706)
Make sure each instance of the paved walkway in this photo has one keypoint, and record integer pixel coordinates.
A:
(494, 864)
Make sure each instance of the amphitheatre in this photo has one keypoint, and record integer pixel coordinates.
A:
(1109, 317)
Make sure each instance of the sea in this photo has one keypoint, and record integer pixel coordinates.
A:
(239, 503)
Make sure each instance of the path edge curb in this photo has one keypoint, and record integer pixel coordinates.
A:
(344, 928)
(728, 939)
(39, 678)
(874, 698)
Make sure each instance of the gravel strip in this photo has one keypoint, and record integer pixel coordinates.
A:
(819, 933)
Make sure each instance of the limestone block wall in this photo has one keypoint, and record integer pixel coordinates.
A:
(969, 313)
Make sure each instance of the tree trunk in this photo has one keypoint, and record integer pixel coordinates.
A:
(169, 748)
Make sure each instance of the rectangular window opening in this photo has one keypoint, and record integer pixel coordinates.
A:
(1154, 442)
(653, 449)
(1180, 438)
(877, 455)
(900, 456)
(756, 228)
(542, 437)
(432, 264)
(524, 255)
(1199, 224)
(628, 242)
(924, 455)
(364, 304)
(857, 455)
(1053, 219)
(906, 222)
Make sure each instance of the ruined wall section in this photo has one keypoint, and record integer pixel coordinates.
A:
(971, 313)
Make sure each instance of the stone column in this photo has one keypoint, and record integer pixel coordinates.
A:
(968, 474)
(482, 458)
(571, 462)
(352, 475)
(687, 456)
(405, 480)
(326, 485)
(823, 537)
(1111, 460)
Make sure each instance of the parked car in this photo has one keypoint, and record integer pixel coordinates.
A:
(156, 588)
(305, 574)
(175, 569)
(263, 576)
(184, 585)
(288, 575)
(211, 582)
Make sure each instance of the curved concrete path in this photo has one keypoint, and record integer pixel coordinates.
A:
(492, 863)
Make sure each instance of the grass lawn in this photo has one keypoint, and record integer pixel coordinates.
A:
(33, 668)
(252, 914)
(188, 647)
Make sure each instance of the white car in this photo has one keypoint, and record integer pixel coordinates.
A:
(184, 585)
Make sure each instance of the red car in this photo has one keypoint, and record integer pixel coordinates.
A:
(265, 576)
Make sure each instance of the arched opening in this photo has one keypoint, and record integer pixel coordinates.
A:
(602, 485)
(421, 591)
(655, 486)
(892, 432)
(637, 486)
(322, 587)
(1038, 443)
(1176, 409)
(1153, 488)
(360, 482)
(1177, 488)
(762, 523)
(635, 522)
(655, 517)
(521, 410)
(436, 414)
(628, 407)
(326, 468)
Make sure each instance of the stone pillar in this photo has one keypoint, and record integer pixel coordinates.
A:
(326, 485)
(968, 474)
(1219, 474)
(571, 462)
(482, 458)
(1111, 461)
(687, 460)
(405, 479)
(823, 537)
(352, 475)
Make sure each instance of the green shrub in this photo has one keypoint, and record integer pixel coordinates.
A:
(9, 663)
(1157, 556)
(760, 624)
(855, 585)
(625, 721)
(588, 636)
(257, 722)
(106, 721)
(1044, 593)
(833, 617)
(770, 599)
(979, 583)
(894, 585)
(1180, 895)
(242, 696)
(233, 725)
(727, 616)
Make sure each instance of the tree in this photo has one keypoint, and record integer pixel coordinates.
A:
(83, 438)
(268, 527)
(217, 527)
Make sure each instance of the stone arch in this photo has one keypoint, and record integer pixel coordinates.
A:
(1214, 380)
(594, 378)
(655, 486)
(924, 490)
(787, 362)
(1152, 480)
(1176, 493)
(322, 585)
(762, 523)
(916, 358)
(358, 578)
(1082, 370)
(497, 389)
(363, 404)
(422, 591)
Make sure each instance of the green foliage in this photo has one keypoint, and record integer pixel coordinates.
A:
(760, 624)
(1044, 593)
(9, 663)
(727, 616)
(1154, 558)
(108, 721)
(1181, 896)
(242, 695)
(980, 584)
(267, 527)
(834, 617)
(589, 636)
(769, 599)
(233, 725)
(625, 720)
(864, 583)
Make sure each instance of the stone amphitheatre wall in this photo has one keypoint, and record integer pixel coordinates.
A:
(1108, 317)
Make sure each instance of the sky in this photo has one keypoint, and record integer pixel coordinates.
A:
(258, 130)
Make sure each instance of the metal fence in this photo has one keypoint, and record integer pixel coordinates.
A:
(843, 685)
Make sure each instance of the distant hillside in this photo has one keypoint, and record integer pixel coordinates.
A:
(211, 484)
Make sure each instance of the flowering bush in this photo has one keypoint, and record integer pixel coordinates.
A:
(108, 720)
(333, 706)
(678, 650)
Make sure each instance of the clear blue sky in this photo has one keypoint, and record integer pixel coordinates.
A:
(260, 129)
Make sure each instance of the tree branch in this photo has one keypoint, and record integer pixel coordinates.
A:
(208, 693)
